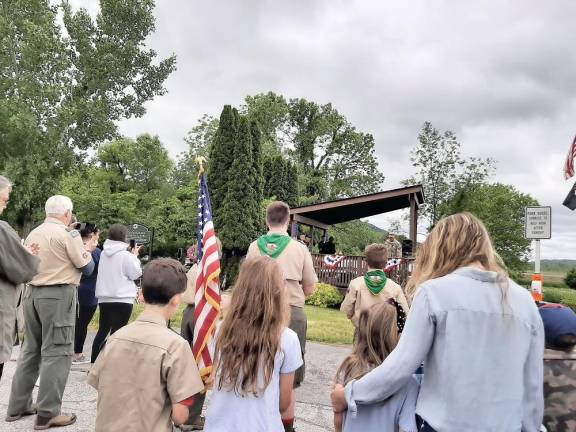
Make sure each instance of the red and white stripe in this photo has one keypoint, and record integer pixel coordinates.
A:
(207, 300)
(569, 164)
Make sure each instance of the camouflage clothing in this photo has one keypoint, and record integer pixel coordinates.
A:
(393, 249)
(560, 390)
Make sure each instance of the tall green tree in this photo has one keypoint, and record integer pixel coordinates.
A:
(257, 175)
(237, 230)
(502, 209)
(291, 178)
(321, 141)
(136, 164)
(443, 171)
(63, 90)
(221, 160)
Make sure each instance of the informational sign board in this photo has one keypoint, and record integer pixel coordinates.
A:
(141, 234)
(538, 223)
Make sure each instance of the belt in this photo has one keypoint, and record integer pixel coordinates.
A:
(52, 285)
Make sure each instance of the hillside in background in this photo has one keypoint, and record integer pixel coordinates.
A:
(555, 266)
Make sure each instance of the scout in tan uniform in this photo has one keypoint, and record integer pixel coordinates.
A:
(17, 265)
(49, 305)
(296, 264)
(146, 375)
(372, 288)
(195, 421)
(393, 247)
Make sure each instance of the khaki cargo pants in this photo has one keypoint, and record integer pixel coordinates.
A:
(49, 314)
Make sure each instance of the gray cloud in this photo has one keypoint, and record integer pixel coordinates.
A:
(499, 74)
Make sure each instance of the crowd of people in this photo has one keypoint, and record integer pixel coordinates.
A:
(460, 348)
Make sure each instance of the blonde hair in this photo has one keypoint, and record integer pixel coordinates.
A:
(5, 183)
(376, 338)
(456, 241)
(249, 338)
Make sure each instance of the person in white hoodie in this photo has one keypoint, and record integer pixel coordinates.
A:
(115, 287)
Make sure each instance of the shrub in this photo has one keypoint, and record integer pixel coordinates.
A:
(552, 295)
(326, 296)
(570, 278)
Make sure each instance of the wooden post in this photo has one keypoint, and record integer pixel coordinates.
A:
(413, 222)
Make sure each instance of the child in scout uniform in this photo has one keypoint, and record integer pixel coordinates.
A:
(372, 288)
(300, 278)
(146, 376)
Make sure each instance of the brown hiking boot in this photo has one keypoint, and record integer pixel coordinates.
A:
(62, 419)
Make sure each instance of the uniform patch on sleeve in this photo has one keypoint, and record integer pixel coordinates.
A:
(74, 233)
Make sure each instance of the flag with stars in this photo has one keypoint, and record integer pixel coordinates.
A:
(207, 298)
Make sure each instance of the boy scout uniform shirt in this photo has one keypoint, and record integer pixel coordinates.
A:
(61, 254)
(359, 298)
(143, 370)
(297, 267)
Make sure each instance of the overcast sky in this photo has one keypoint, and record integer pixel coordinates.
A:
(500, 74)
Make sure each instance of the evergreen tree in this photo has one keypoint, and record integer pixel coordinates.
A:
(221, 159)
(258, 178)
(237, 229)
(276, 179)
(291, 179)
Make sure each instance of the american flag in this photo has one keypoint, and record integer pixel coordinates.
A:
(569, 165)
(207, 297)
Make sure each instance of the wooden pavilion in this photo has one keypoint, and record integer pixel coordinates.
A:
(321, 216)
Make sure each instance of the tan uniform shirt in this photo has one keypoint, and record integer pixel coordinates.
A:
(393, 249)
(359, 298)
(188, 296)
(61, 254)
(144, 369)
(297, 266)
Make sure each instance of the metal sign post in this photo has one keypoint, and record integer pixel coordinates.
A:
(538, 226)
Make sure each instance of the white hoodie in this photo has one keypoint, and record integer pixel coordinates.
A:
(116, 274)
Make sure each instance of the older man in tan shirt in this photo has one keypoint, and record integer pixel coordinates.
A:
(49, 305)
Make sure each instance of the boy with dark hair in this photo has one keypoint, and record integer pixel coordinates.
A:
(146, 375)
(372, 288)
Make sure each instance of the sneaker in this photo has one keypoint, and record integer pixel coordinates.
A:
(79, 359)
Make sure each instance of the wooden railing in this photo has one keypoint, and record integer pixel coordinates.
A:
(353, 266)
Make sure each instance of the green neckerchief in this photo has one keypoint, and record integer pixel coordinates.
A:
(273, 244)
(375, 280)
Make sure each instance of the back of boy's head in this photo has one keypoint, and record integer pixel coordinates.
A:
(162, 279)
(376, 255)
(277, 214)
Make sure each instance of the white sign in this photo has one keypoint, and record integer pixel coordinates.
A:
(538, 223)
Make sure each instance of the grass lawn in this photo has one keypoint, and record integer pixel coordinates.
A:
(324, 325)
(566, 296)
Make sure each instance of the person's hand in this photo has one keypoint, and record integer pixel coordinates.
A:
(136, 250)
(338, 397)
(33, 248)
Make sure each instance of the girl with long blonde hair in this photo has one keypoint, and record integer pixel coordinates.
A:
(478, 334)
(256, 354)
(379, 329)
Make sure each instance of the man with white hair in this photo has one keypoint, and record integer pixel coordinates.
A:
(17, 265)
(49, 305)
